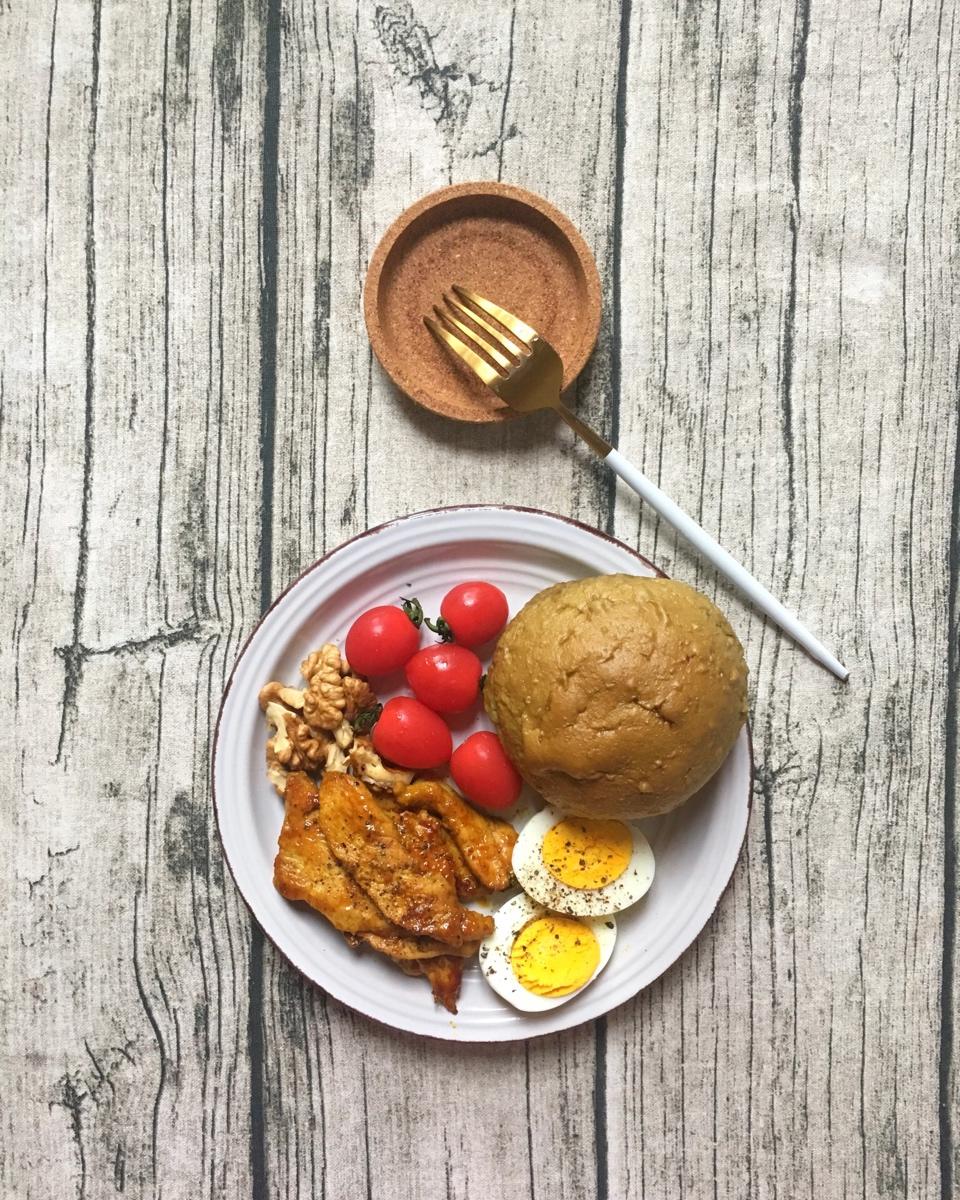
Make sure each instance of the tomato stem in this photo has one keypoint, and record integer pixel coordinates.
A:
(440, 628)
(414, 610)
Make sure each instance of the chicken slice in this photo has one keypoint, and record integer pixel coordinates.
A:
(403, 948)
(486, 842)
(444, 975)
(468, 885)
(365, 840)
(304, 868)
(425, 838)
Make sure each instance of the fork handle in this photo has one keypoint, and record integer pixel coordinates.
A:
(725, 563)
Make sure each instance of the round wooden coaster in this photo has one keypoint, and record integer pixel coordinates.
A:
(501, 241)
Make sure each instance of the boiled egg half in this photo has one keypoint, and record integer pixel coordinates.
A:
(536, 959)
(582, 866)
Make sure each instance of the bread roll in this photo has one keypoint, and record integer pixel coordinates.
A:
(618, 696)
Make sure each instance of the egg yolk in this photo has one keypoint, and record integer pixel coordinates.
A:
(553, 956)
(587, 854)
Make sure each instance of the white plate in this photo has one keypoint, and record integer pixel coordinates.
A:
(522, 551)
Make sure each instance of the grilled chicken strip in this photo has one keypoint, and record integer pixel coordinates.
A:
(486, 842)
(365, 840)
(468, 885)
(305, 869)
(403, 948)
(444, 975)
(425, 838)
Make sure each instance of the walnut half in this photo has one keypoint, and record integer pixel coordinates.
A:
(327, 658)
(276, 772)
(324, 699)
(294, 744)
(358, 695)
(336, 759)
(291, 697)
(369, 766)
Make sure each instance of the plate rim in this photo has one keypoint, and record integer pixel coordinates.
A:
(357, 537)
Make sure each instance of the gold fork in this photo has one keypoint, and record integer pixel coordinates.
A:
(524, 370)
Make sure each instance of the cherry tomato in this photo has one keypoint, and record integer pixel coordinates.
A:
(482, 771)
(445, 678)
(381, 640)
(411, 735)
(475, 611)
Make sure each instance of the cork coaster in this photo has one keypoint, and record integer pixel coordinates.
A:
(501, 241)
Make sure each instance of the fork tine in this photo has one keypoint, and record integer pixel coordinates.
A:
(471, 335)
(478, 365)
(517, 327)
(498, 335)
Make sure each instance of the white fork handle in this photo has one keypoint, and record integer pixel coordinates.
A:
(725, 563)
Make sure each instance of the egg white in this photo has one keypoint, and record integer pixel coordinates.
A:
(508, 921)
(536, 880)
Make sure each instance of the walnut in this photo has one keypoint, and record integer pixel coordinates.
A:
(327, 658)
(358, 695)
(323, 706)
(336, 759)
(324, 699)
(294, 744)
(276, 773)
(312, 728)
(368, 765)
(291, 697)
(311, 745)
(280, 746)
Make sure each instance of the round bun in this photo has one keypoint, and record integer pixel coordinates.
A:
(618, 696)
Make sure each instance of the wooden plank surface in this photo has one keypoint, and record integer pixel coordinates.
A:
(189, 413)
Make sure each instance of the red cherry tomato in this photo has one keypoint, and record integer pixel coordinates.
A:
(475, 611)
(445, 678)
(381, 640)
(482, 771)
(411, 735)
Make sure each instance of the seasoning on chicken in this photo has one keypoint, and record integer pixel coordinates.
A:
(306, 870)
(444, 975)
(486, 842)
(425, 838)
(365, 840)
